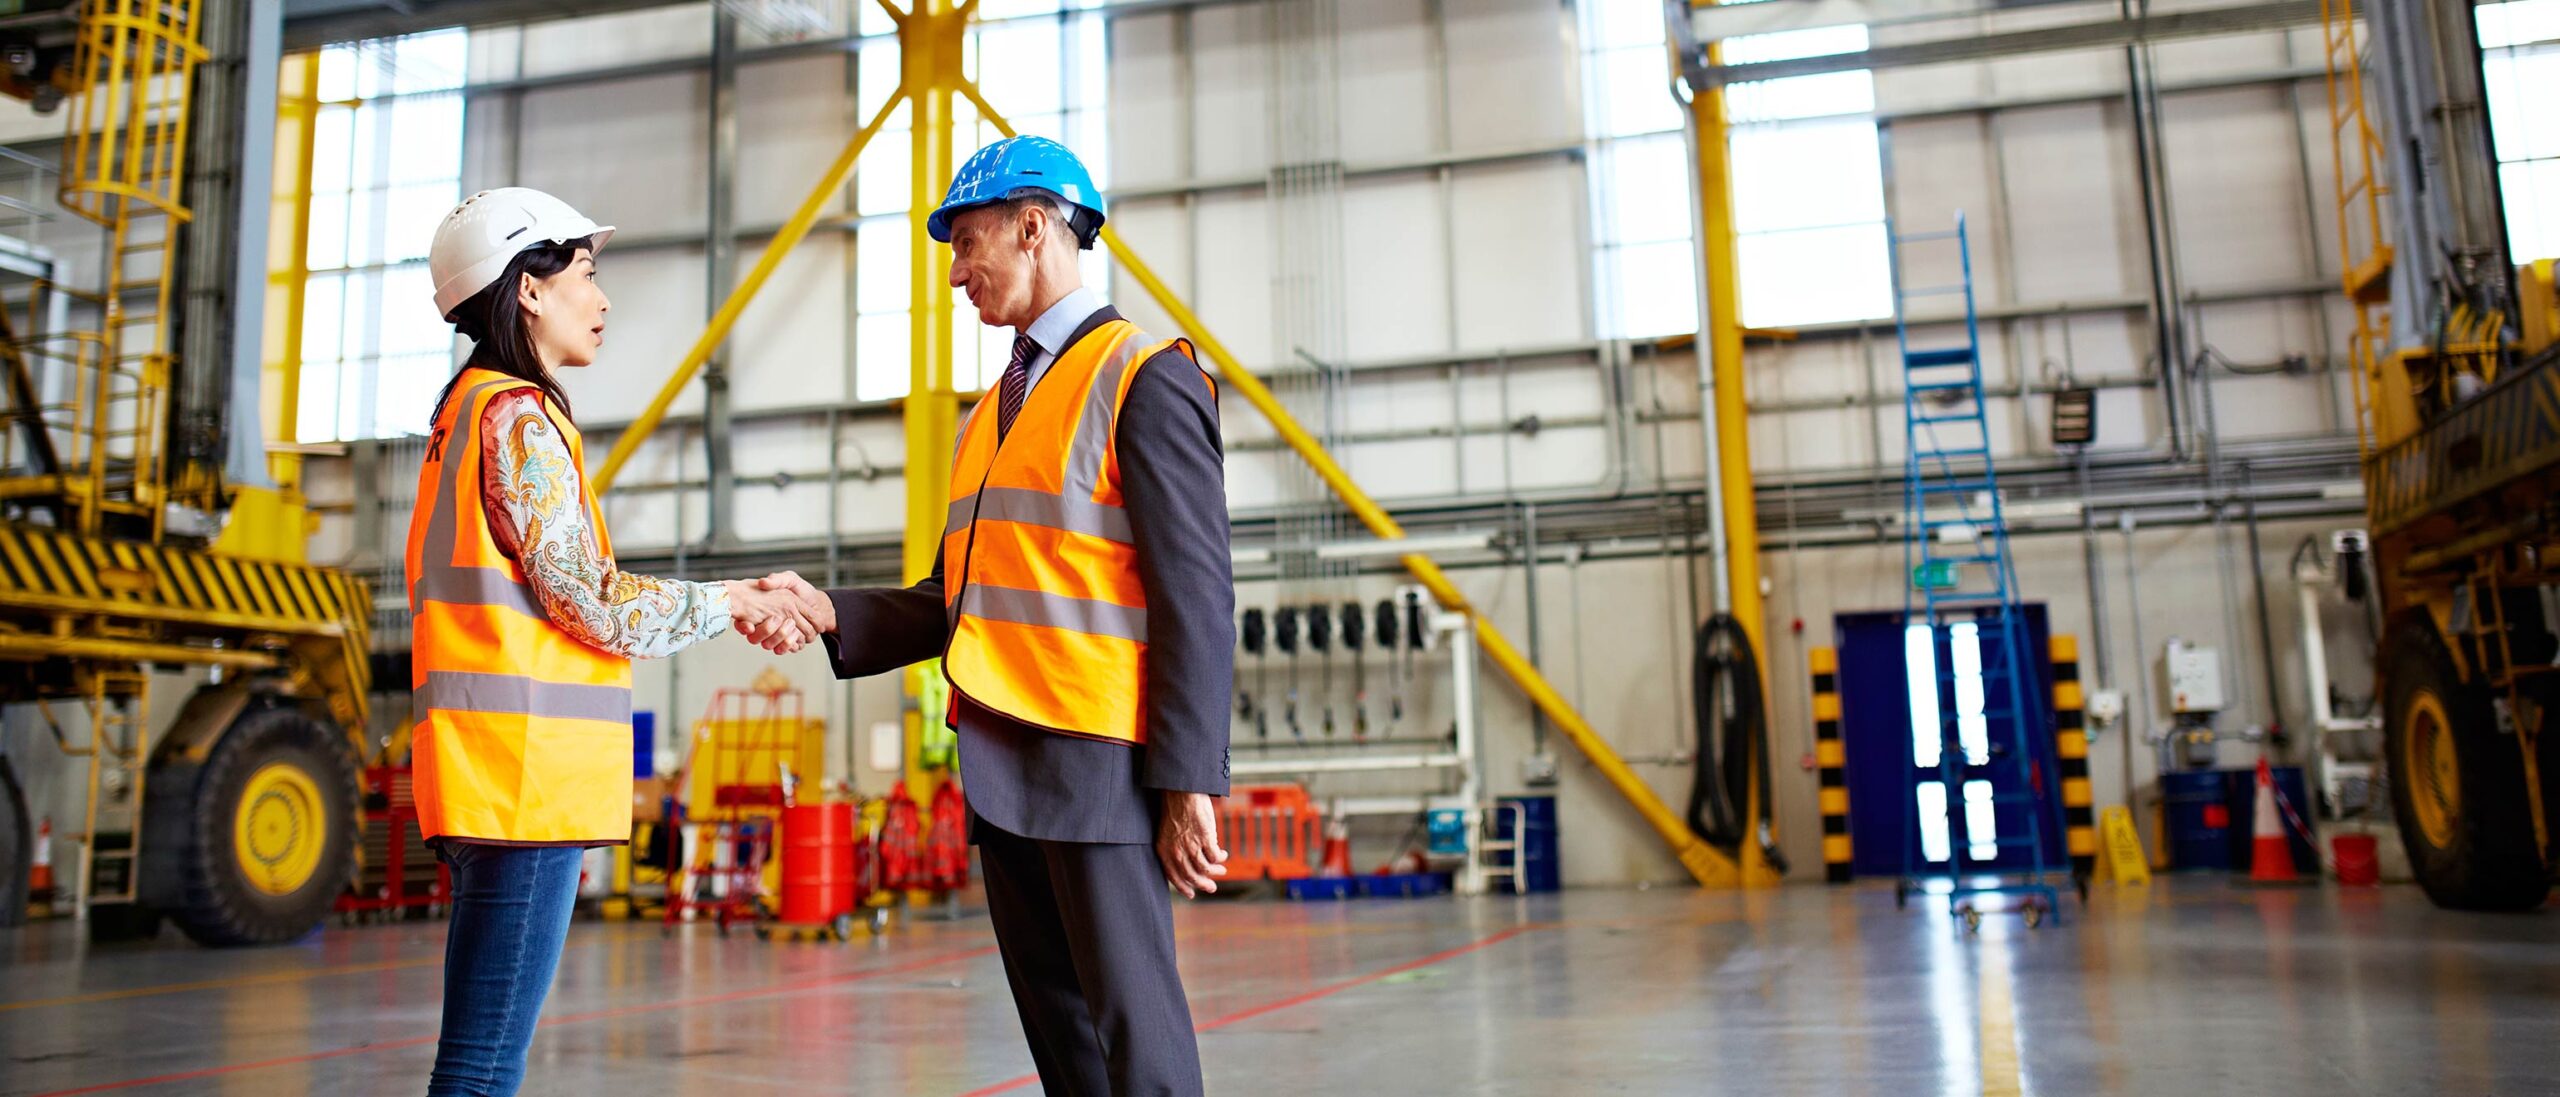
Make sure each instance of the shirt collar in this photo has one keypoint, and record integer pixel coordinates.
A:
(1056, 326)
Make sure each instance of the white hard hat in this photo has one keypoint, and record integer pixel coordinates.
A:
(488, 229)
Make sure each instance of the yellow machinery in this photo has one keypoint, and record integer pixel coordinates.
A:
(931, 36)
(2460, 434)
(237, 823)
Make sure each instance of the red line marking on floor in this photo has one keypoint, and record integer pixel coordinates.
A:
(548, 1022)
(1293, 1000)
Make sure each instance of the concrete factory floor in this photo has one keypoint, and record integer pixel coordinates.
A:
(2192, 987)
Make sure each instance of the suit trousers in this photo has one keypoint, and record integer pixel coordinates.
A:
(1086, 931)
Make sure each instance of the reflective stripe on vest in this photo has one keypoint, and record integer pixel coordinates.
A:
(1048, 620)
(523, 731)
(511, 694)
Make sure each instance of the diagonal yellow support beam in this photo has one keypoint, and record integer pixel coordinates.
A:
(1709, 865)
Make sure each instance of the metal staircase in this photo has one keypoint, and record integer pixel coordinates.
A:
(1963, 586)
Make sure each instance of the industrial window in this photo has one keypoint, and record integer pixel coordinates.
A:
(1808, 181)
(386, 166)
(1041, 63)
(2520, 62)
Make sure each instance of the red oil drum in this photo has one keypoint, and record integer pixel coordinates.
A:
(2359, 861)
(817, 862)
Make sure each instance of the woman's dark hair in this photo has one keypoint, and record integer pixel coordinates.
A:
(500, 332)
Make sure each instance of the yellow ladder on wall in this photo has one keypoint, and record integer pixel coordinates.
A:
(2356, 149)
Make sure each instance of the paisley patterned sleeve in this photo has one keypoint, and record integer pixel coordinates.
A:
(533, 492)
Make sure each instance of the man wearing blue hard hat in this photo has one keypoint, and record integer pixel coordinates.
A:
(1083, 607)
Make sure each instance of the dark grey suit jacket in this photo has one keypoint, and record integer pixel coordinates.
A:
(1040, 784)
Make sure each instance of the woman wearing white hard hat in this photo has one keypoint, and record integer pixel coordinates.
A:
(524, 627)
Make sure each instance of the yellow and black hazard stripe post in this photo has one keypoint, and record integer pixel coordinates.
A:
(2071, 751)
(1831, 757)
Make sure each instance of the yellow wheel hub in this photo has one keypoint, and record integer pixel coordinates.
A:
(2435, 782)
(280, 829)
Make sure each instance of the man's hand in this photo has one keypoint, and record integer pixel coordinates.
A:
(1187, 844)
(814, 603)
(773, 620)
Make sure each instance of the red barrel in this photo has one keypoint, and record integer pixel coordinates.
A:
(2359, 863)
(817, 862)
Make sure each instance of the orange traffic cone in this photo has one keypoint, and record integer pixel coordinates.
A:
(1337, 849)
(2271, 852)
(40, 877)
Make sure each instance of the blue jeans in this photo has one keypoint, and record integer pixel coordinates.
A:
(510, 915)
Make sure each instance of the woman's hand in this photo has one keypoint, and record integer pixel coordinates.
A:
(773, 620)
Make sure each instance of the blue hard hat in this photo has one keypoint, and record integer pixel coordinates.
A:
(1011, 165)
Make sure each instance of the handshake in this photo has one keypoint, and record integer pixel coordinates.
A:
(781, 612)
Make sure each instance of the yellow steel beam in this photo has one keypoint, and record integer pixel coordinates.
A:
(289, 269)
(29, 647)
(1732, 459)
(931, 37)
(793, 231)
(173, 614)
(1706, 863)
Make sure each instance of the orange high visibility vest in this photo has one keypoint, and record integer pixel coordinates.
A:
(1048, 620)
(523, 732)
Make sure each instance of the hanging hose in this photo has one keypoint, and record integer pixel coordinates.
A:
(1733, 741)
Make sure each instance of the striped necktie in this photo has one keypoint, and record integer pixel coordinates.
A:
(1016, 384)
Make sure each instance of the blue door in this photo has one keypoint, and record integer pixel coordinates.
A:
(1894, 703)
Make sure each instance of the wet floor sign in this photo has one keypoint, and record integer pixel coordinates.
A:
(2125, 861)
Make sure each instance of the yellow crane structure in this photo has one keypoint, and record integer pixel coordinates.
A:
(237, 822)
(2457, 372)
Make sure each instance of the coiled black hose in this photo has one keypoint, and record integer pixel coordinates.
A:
(1733, 741)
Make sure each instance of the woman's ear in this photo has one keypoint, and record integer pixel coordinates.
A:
(529, 294)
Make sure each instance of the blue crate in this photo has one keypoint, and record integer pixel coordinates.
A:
(1320, 889)
(1407, 885)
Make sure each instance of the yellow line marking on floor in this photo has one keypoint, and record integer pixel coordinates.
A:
(266, 979)
(2001, 1076)
(222, 984)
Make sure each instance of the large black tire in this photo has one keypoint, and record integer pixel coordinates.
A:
(2457, 784)
(216, 896)
(17, 847)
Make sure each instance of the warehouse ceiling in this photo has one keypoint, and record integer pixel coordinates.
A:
(312, 23)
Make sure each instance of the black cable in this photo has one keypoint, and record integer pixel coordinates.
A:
(1733, 741)
(1320, 641)
(1395, 660)
(1284, 634)
(1255, 635)
(2213, 355)
(1354, 623)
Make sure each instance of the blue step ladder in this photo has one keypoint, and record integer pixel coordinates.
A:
(1956, 557)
